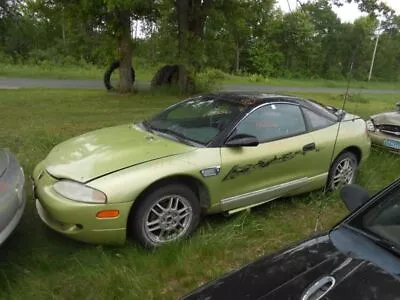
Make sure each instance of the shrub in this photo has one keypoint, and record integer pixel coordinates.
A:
(257, 78)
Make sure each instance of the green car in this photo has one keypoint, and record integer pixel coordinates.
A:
(212, 153)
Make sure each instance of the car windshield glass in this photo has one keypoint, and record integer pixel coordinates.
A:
(198, 119)
(382, 220)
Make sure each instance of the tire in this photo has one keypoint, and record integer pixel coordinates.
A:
(168, 219)
(167, 75)
(107, 75)
(348, 163)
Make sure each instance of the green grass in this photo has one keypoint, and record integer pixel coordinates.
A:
(310, 83)
(48, 70)
(64, 72)
(37, 263)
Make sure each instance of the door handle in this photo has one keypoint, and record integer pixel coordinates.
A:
(309, 147)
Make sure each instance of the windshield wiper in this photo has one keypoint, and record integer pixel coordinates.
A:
(148, 126)
(178, 136)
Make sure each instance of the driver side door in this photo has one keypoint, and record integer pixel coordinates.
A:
(278, 165)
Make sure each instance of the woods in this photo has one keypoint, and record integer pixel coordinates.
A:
(233, 36)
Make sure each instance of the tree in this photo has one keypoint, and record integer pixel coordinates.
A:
(117, 16)
(113, 17)
(191, 16)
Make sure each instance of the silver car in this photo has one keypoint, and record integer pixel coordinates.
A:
(12, 195)
(384, 130)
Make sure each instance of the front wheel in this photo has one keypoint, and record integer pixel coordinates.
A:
(343, 171)
(169, 213)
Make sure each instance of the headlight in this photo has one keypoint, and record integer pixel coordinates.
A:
(370, 125)
(79, 192)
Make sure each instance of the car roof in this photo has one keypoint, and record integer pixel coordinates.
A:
(248, 98)
(254, 99)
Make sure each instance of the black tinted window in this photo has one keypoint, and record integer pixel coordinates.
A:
(272, 122)
(384, 219)
(316, 121)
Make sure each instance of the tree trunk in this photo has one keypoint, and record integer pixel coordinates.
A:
(63, 27)
(125, 53)
(237, 58)
(191, 16)
(182, 10)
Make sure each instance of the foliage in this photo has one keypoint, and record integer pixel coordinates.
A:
(237, 36)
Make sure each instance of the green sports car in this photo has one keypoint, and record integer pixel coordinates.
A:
(212, 153)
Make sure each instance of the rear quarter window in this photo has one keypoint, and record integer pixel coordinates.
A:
(315, 120)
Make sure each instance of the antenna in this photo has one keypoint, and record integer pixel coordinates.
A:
(345, 98)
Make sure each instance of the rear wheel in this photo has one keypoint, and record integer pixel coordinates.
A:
(169, 213)
(343, 171)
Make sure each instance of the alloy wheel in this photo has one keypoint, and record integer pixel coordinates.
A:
(344, 173)
(168, 219)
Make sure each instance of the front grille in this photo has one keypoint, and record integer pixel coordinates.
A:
(393, 130)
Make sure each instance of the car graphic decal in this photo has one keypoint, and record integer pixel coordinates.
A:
(238, 170)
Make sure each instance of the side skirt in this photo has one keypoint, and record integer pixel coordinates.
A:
(248, 200)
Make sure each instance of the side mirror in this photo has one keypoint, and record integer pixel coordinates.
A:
(354, 196)
(242, 140)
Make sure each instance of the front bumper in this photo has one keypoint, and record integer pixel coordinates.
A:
(378, 139)
(78, 220)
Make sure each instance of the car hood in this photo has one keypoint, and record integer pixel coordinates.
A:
(388, 118)
(107, 150)
(355, 269)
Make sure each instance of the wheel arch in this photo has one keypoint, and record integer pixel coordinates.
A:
(352, 149)
(195, 184)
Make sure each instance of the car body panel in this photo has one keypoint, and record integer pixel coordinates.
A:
(391, 118)
(387, 132)
(357, 268)
(381, 140)
(139, 177)
(124, 161)
(12, 194)
(76, 219)
(271, 164)
(352, 133)
(106, 150)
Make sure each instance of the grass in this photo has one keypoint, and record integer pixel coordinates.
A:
(48, 70)
(310, 83)
(39, 263)
(64, 72)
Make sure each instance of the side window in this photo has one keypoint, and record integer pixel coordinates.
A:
(316, 121)
(273, 122)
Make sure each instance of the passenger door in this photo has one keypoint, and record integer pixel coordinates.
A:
(323, 132)
(278, 165)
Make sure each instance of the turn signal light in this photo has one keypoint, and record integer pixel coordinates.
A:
(107, 214)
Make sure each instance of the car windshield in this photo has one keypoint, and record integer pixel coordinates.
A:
(198, 119)
(382, 220)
